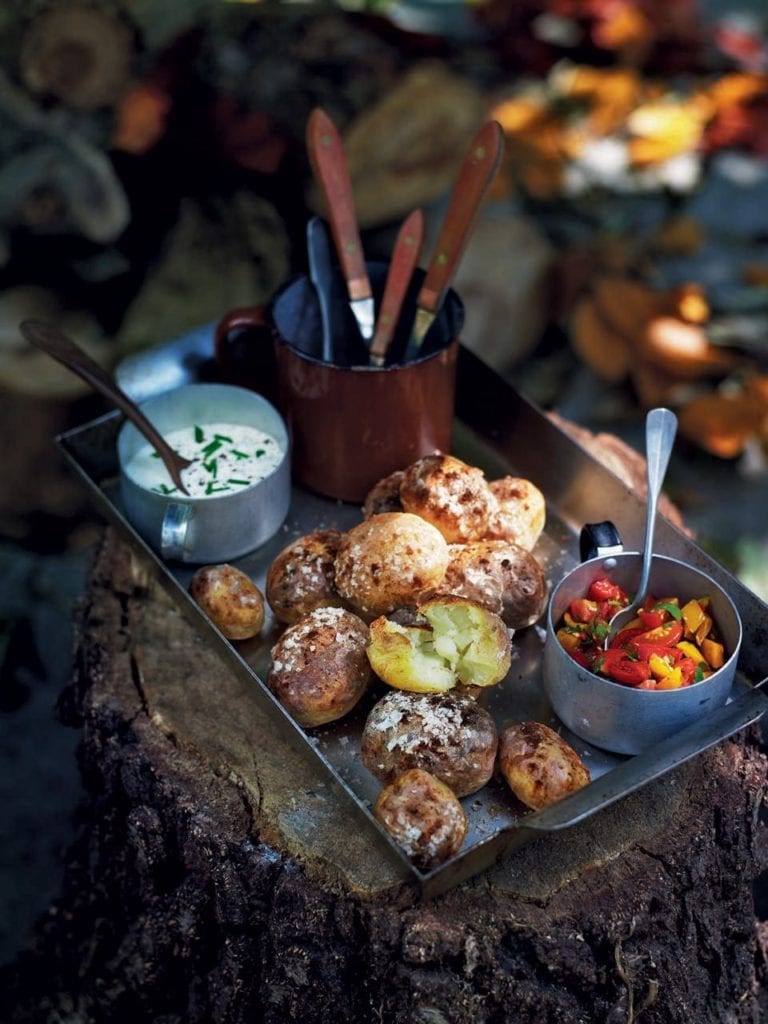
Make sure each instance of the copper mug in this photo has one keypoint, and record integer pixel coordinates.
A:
(350, 423)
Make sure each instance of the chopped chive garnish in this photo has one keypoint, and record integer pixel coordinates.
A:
(154, 455)
(211, 466)
(211, 448)
(211, 488)
(199, 434)
(163, 489)
(223, 437)
(260, 452)
(238, 454)
(241, 483)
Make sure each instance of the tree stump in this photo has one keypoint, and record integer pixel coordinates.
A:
(218, 878)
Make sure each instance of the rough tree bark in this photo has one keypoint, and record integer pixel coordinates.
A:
(217, 880)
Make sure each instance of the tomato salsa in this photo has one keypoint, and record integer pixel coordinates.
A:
(665, 647)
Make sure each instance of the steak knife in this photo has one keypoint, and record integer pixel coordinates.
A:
(329, 162)
(478, 169)
(405, 256)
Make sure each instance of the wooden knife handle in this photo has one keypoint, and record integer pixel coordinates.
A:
(405, 256)
(476, 173)
(329, 162)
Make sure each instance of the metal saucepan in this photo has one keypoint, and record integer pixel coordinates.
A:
(620, 718)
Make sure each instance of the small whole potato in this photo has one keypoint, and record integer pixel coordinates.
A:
(388, 561)
(521, 512)
(301, 578)
(500, 575)
(230, 599)
(451, 495)
(538, 765)
(423, 816)
(384, 496)
(449, 641)
(450, 736)
(319, 667)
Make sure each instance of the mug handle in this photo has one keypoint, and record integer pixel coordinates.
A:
(173, 531)
(244, 316)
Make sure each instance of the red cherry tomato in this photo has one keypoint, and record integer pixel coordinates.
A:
(669, 634)
(620, 666)
(583, 610)
(604, 590)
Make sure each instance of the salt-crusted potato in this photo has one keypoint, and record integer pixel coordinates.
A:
(451, 737)
(423, 816)
(301, 578)
(501, 576)
(451, 641)
(384, 496)
(388, 561)
(538, 765)
(230, 599)
(451, 495)
(319, 667)
(520, 514)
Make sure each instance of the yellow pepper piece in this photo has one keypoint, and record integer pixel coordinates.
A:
(714, 653)
(664, 671)
(691, 651)
(569, 640)
(671, 682)
(693, 615)
(703, 631)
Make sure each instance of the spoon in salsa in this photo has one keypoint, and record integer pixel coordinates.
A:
(51, 341)
(660, 430)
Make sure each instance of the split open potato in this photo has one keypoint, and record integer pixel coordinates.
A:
(450, 640)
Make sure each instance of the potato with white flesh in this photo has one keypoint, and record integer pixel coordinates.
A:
(451, 641)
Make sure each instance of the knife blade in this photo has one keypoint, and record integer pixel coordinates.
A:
(405, 256)
(329, 163)
(478, 169)
(321, 276)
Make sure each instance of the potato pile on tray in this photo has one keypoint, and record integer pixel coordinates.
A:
(423, 594)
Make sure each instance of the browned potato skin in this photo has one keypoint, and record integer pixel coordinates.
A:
(538, 765)
(423, 816)
(451, 737)
(389, 561)
(521, 512)
(301, 578)
(451, 495)
(230, 599)
(319, 667)
(501, 576)
(384, 496)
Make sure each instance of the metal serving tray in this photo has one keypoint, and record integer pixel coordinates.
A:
(498, 430)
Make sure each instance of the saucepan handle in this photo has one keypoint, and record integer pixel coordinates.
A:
(599, 540)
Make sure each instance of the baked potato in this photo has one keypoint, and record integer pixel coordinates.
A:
(520, 513)
(451, 495)
(451, 640)
(301, 578)
(387, 561)
(319, 668)
(230, 599)
(451, 737)
(538, 765)
(423, 816)
(384, 496)
(501, 576)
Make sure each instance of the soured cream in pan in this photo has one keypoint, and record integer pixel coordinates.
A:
(227, 457)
